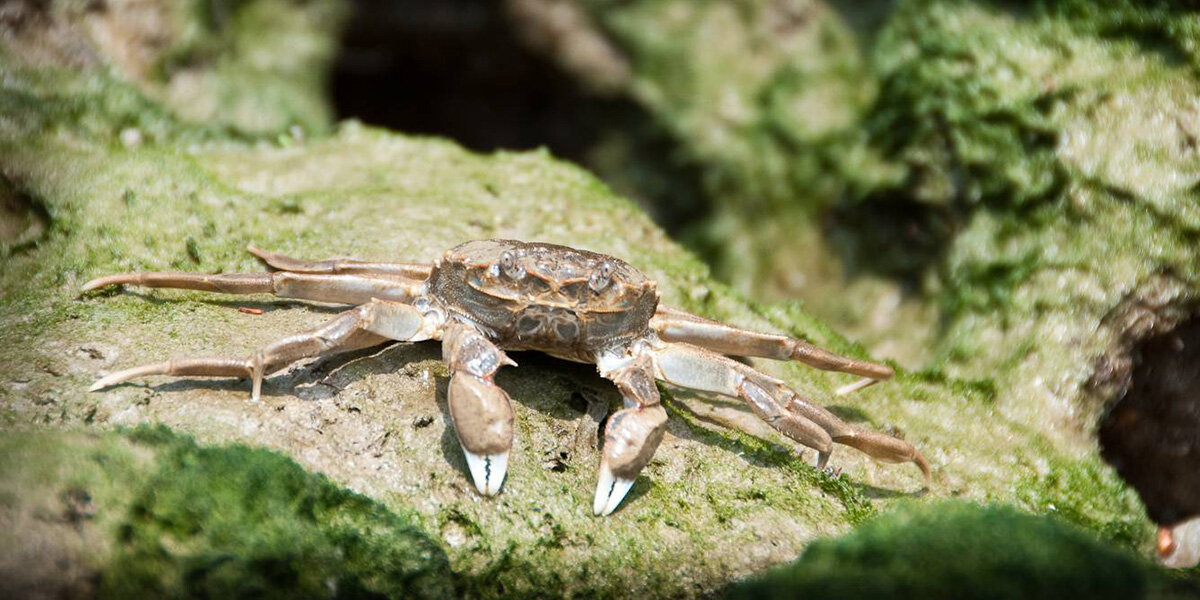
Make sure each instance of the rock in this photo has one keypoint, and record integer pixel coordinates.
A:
(715, 505)
(1002, 181)
(253, 67)
(959, 550)
(148, 513)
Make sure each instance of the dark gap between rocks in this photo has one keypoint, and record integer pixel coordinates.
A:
(458, 69)
(1151, 432)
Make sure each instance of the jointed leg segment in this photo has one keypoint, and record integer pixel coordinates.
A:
(368, 325)
(673, 325)
(340, 289)
(777, 404)
(342, 266)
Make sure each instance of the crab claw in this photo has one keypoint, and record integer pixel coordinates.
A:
(610, 491)
(487, 470)
(630, 439)
(483, 418)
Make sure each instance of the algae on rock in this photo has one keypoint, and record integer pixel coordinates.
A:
(959, 550)
(251, 66)
(1008, 177)
(713, 506)
(148, 513)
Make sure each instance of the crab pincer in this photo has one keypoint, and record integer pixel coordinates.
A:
(482, 412)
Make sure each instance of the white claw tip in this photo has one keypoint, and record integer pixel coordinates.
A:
(610, 491)
(487, 471)
(99, 385)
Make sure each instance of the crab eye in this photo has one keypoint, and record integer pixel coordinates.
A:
(601, 278)
(508, 262)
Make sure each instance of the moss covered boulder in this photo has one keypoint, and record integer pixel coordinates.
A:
(959, 550)
(148, 513)
(101, 176)
(1007, 196)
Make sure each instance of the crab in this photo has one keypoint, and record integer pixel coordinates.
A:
(487, 296)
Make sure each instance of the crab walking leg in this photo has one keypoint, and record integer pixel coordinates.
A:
(339, 289)
(361, 327)
(341, 266)
(482, 412)
(675, 325)
(777, 404)
(632, 433)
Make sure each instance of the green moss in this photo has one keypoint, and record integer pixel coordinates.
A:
(953, 117)
(237, 522)
(759, 98)
(257, 66)
(254, 67)
(1078, 491)
(960, 550)
(1166, 26)
(149, 513)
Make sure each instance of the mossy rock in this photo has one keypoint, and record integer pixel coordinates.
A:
(959, 550)
(715, 505)
(760, 100)
(155, 515)
(1014, 203)
(250, 67)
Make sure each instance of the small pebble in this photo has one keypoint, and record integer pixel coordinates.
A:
(131, 137)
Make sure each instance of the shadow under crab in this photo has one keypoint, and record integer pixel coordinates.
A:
(484, 297)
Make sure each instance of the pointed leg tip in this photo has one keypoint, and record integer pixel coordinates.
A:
(120, 376)
(94, 284)
(859, 385)
(926, 472)
(822, 460)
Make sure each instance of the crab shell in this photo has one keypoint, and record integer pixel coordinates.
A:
(571, 304)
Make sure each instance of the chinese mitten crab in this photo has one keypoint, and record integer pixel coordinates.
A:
(484, 297)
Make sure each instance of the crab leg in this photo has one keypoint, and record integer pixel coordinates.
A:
(340, 289)
(632, 433)
(341, 266)
(777, 404)
(361, 327)
(674, 325)
(482, 412)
